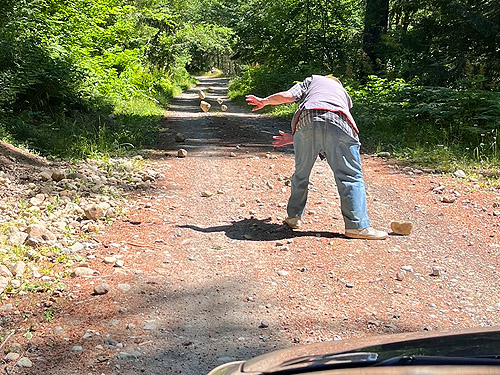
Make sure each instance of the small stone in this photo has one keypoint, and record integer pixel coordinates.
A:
(93, 212)
(111, 342)
(119, 263)
(124, 287)
(15, 283)
(109, 260)
(179, 137)
(7, 307)
(384, 154)
(16, 237)
(205, 106)
(400, 275)
(25, 362)
(182, 153)
(225, 359)
(101, 289)
(283, 273)
(496, 213)
(18, 268)
(448, 198)
(58, 175)
(83, 272)
(264, 324)
(201, 94)
(459, 173)
(10, 357)
(132, 355)
(436, 271)
(407, 268)
(4, 271)
(37, 200)
(403, 228)
(223, 108)
(77, 247)
(207, 193)
(77, 348)
(46, 175)
(219, 101)
(4, 283)
(36, 231)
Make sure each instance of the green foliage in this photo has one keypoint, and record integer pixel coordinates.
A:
(425, 123)
(301, 36)
(84, 77)
(432, 126)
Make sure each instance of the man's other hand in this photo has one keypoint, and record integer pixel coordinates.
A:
(283, 139)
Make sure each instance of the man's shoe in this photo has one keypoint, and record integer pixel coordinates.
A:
(294, 222)
(366, 234)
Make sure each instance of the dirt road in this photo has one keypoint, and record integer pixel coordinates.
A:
(212, 275)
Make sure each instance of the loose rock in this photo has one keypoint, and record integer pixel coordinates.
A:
(83, 272)
(25, 363)
(93, 212)
(101, 289)
(205, 106)
(182, 153)
(403, 228)
(179, 137)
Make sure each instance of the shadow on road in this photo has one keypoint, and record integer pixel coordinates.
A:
(260, 230)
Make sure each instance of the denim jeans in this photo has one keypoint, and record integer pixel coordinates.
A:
(342, 154)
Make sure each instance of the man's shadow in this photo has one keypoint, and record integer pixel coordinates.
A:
(253, 229)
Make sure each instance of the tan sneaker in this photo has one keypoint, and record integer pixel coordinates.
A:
(366, 234)
(294, 222)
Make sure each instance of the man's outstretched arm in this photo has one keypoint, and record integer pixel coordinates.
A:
(282, 97)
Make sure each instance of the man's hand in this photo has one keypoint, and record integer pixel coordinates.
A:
(256, 101)
(283, 139)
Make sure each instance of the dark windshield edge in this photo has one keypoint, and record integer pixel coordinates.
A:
(492, 360)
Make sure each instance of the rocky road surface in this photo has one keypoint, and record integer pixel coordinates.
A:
(207, 272)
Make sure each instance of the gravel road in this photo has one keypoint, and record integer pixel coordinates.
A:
(211, 274)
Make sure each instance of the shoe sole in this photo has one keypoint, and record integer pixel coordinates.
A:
(361, 237)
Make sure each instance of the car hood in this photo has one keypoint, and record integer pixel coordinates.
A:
(470, 342)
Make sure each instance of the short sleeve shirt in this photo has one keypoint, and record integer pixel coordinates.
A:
(305, 116)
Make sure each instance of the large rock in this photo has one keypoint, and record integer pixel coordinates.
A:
(18, 268)
(403, 228)
(39, 235)
(58, 175)
(93, 212)
(16, 237)
(4, 271)
(46, 175)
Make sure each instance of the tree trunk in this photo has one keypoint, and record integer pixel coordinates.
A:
(376, 21)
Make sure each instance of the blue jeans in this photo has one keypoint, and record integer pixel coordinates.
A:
(342, 154)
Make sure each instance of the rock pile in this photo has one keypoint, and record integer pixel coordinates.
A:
(53, 207)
